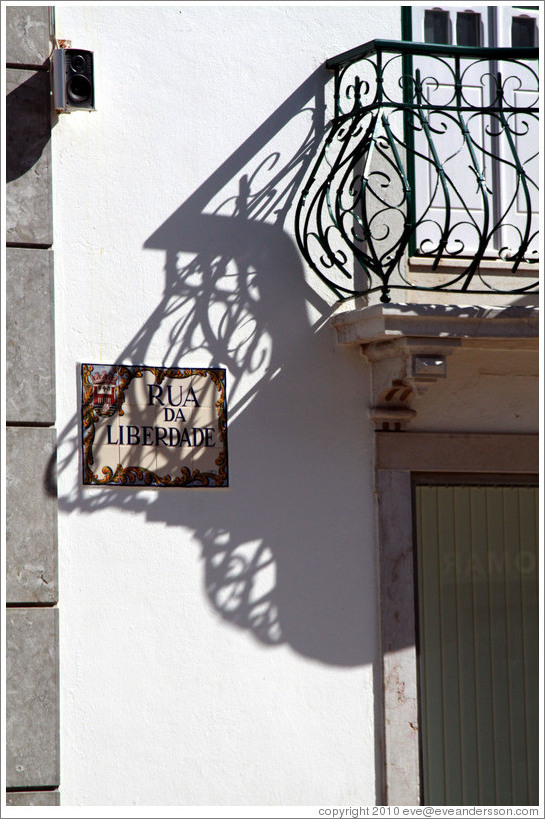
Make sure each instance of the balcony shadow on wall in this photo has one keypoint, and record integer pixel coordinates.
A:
(280, 555)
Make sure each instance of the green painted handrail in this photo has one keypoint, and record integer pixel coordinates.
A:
(429, 49)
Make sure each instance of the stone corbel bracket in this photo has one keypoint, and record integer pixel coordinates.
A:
(394, 384)
(407, 347)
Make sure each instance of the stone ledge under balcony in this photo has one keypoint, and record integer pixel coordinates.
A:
(515, 327)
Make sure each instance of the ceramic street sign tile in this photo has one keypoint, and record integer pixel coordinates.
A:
(153, 426)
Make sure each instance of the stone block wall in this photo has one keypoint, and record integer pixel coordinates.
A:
(32, 724)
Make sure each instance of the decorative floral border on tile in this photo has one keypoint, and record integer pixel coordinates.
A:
(153, 426)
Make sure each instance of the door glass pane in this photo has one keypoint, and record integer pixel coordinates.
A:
(478, 624)
(523, 32)
(436, 26)
(468, 29)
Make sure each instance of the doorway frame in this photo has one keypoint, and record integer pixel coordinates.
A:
(399, 456)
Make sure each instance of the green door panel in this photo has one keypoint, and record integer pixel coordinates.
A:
(477, 576)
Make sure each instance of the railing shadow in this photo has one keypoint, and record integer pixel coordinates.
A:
(278, 562)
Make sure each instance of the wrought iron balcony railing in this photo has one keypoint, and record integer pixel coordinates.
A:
(432, 152)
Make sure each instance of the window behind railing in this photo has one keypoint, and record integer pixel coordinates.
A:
(491, 155)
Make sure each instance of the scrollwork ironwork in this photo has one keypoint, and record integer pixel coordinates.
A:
(432, 151)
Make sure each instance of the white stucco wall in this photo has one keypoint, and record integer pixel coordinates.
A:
(217, 646)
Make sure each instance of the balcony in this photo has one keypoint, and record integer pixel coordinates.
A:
(432, 157)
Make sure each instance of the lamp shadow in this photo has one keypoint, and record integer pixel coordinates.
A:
(28, 127)
(279, 553)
